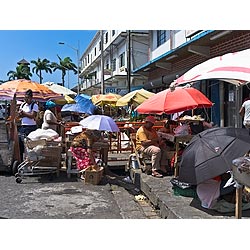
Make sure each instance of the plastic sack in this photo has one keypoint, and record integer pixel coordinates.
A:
(124, 140)
(181, 130)
(241, 170)
(180, 184)
(39, 133)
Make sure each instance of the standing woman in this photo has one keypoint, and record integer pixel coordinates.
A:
(49, 119)
(27, 112)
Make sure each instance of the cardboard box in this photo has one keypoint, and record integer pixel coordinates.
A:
(93, 175)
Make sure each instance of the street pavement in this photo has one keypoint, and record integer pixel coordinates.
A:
(63, 198)
(113, 198)
(160, 193)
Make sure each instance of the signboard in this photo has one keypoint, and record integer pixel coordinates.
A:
(120, 90)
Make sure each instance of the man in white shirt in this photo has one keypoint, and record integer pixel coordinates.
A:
(245, 113)
(28, 111)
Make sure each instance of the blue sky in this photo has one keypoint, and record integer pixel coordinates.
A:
(31, 44)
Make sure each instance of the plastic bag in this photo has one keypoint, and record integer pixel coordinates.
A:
(181, 130)
(180, 184)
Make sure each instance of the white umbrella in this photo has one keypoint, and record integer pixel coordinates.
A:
(59, 89)
(232, 67)
(99, 122)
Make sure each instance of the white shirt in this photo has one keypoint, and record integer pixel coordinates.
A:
(49, 116)
(27, 108)
(246, 106)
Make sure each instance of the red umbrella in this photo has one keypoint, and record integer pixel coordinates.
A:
(175, 100)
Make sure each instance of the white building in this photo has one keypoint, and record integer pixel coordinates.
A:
(157, 57)
(117, 46)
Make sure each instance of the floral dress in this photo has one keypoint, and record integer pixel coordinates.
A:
(82, 157)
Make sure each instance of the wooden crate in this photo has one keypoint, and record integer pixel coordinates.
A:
(52, 156)
(93, 175)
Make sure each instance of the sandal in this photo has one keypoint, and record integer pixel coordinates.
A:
(156, 174)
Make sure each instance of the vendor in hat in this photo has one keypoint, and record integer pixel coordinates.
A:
(49, 119)
(148, 142)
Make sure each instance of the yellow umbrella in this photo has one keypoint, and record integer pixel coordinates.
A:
(101, 100)
(135, 97)
(64, 100)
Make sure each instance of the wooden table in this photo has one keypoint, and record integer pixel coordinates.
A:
(179, 139)
(176, 139)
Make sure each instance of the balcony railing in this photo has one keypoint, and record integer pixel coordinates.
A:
(87, 83)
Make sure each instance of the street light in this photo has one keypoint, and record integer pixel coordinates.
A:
(78, 63)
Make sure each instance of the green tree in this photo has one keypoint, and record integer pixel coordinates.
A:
(22, 72)
(41, 65)
(64, 65)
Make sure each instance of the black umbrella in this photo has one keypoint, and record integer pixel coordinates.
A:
(210, 153)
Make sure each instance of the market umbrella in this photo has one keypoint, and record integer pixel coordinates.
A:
(211, 152)
(82, 105)
(19, 87)
(231, 67)
(135, 97)
(59, 89)
(100, 122)
(65, 99)
(101, 99)
(174, 100)
(85, 96)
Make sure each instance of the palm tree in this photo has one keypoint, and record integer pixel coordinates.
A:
(64, 65)
(22, 72)
(41, 65)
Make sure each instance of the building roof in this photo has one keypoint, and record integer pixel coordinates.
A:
(23, 61)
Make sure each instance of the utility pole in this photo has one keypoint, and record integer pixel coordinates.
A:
(102, 64)
(78, 62)
(129, 61)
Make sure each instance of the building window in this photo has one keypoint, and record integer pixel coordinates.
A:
(95, 51)
(122, 59)
(88, 58)
(113, 64)
(100, 46)
(161, 37)
(113, 32)
(107, 64)
(106, 37)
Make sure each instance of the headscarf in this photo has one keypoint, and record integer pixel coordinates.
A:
(49, 104)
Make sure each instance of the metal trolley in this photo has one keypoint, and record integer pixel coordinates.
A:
(42, 157)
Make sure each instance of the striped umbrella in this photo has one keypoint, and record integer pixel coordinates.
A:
(231, 67)
(19, 87)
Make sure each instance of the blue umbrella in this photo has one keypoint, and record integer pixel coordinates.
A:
(82, 105)
(85, 96)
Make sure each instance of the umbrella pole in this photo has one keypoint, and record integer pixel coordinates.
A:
(238, 202)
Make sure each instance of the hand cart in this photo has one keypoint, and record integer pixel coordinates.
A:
(9, 143)
(42, 157)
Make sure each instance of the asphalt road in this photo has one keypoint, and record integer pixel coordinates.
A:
(63, 198)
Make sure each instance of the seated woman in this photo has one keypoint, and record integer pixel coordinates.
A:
(81, 148)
